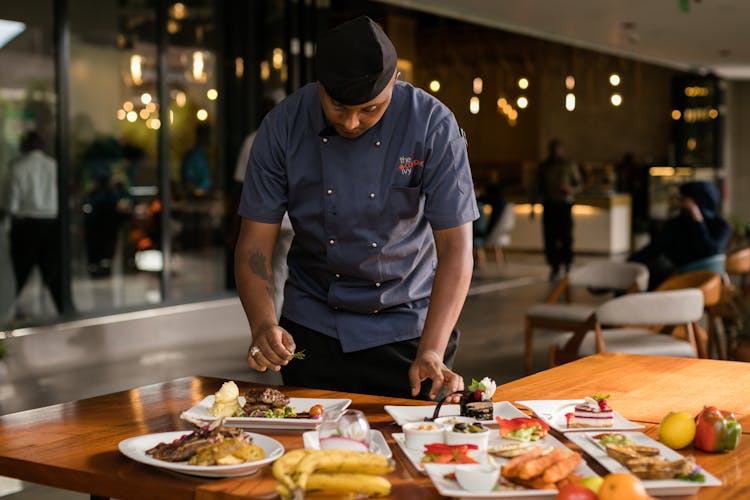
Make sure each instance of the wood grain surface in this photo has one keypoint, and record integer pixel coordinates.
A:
(74, 445)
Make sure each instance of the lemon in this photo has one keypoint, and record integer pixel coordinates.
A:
(677, 430)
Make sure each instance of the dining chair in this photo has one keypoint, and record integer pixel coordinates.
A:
(737, 268)
(626, 324)
(498, 237)
(609, 276)
(711, 286)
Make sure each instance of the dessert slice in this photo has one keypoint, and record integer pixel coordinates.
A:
(593, 412)
(478, 404)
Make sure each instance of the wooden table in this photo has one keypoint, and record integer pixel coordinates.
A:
(74, 445)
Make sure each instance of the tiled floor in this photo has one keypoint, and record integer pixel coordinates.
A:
(491, 345)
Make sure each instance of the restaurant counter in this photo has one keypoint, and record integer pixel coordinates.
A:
(601, 224)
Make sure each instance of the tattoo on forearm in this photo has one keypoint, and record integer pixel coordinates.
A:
(257, 265)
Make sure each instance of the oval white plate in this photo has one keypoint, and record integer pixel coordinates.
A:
(135, 448)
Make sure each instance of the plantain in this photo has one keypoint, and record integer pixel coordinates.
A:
(341, 461)
(284, 467)
(373, 486)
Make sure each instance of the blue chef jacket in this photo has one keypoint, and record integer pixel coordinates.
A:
(363, 258)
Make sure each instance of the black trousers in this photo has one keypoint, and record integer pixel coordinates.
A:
(557, 221)
(381, 370)
(34, 242)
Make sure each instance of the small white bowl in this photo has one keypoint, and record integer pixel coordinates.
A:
(480, 439)
(418, 434)
(477, 477)
(455, 419)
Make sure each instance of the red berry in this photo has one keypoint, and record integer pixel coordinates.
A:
(603, 405)
(478, 395)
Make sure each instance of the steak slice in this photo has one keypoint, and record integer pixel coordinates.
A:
(267, 396)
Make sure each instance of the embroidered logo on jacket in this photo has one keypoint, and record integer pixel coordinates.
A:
(406, 164)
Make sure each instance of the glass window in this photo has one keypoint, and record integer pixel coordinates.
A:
(114, 135)
(198, 178)
(28, 181)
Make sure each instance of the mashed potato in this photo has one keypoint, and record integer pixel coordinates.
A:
(226, 403)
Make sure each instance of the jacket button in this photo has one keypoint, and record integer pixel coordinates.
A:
(372, 196)
(376, 311)
(377, 285)
(374, 245)
(325, 140)
(329, 192)
(331, 242)
(338, 275)
(377, 144)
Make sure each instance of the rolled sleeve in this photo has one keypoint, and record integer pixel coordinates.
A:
(265, 193)
(448, 186)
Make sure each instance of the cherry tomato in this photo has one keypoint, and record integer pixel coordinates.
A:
(575, 492)
(316, 411)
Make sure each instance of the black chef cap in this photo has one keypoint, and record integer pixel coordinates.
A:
(355, 61)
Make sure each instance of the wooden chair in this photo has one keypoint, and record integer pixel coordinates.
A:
(608, 275)
(614, 330)
(738, 268)
(711, 285)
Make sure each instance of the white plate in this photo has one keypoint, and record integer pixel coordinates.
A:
(201, 412)
(553, 411)
(659, 487)
(311, 440)
(502, 410)
(504, 489)
(135, 448)
(405, 414)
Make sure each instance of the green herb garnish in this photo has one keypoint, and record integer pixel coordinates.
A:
(299, 354)
(476, 385)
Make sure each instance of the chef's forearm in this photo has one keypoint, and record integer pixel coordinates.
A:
(254, 273)
(451, 284)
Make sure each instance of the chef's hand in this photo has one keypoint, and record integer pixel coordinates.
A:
(272, 348)
(428, 365)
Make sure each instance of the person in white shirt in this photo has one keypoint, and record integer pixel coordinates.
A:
(32, 205)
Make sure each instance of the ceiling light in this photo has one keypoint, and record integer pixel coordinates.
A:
(676, 114)
(614, 79)
(523, 83)
(434, 85)
(615, 99)
(9, 30)
(522, 102)
(477, 85)
(570, 101)
(570, 82)
(474, 105)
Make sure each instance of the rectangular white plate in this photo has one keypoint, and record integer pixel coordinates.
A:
(504, 489)
(404, 414)
(311, 440)
(503, 410)
(658, 487)
(553, 411)
(201, 412)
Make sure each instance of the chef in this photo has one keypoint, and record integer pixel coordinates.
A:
(375, 177)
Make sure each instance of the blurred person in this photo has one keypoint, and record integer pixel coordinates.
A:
(557, 181)
(106, 207)
(374, 174)
(195, 169)
(696, 232)
(32, 205)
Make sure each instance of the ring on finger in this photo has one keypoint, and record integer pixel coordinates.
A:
(254, 350)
